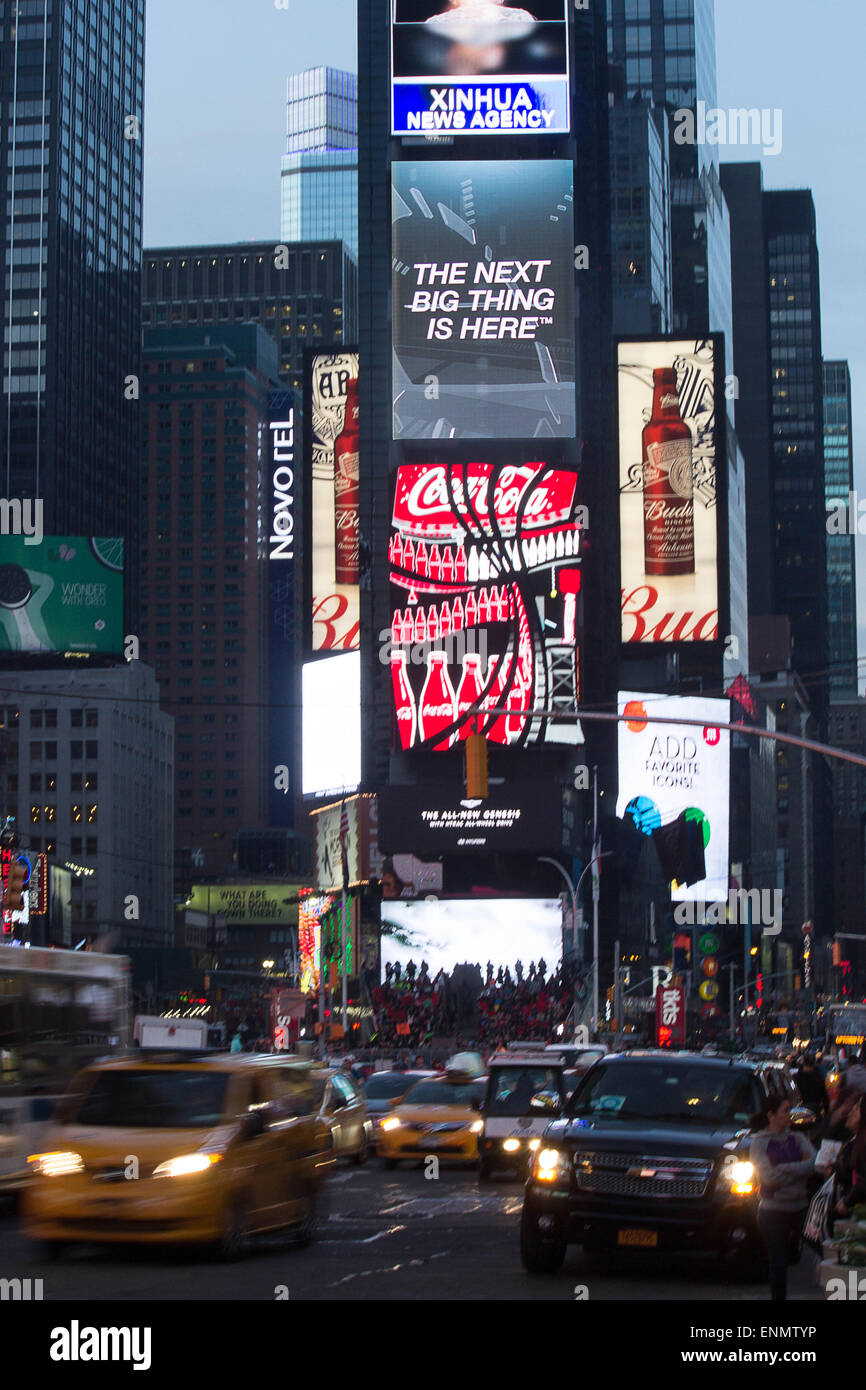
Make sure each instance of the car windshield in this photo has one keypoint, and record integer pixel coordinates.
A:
(512, 1088)
(387, 1084)
(435, 1092)
(154, 1100)
(650, 1090)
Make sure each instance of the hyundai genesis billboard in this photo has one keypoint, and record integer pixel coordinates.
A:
(476, 67)
(483, 299)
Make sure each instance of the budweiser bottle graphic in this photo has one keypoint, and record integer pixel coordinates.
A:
(404, 704)
(469, 692)
(438, 702)
(668, 500)
(346, 492)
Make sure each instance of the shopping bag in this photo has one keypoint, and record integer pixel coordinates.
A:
(817, 1226)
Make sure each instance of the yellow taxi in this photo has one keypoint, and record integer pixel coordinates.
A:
(438, 1115)
(181, 1148)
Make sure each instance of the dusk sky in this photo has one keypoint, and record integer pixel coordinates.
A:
(215, 126)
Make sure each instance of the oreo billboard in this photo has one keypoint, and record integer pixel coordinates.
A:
(476, 67)
(64, 594)
(483, 299)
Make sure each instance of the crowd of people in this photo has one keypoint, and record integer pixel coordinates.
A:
(411, 1007)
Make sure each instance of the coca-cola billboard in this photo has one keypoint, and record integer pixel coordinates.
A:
(485, 589)
(333, 474)
(672, 451)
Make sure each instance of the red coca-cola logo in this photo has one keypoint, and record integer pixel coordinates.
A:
(435, 499)
(437, 711)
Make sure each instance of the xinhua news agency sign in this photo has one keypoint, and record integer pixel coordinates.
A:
(670, 1016)
(283, 488)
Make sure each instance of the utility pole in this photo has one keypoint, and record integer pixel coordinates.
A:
(595, 887)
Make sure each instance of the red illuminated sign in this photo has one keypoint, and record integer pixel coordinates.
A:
(485, 579)
(671, 1016)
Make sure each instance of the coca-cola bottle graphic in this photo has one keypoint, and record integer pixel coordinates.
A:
(346, 474)
(668, 497)
(404, 703)
(438, 702)
(498, 731)
(469, 692)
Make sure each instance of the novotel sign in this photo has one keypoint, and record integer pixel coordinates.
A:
(283, 484)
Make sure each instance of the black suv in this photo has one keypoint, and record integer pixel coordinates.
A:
(651, 1151)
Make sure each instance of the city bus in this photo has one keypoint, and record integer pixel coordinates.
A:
(58, 1011)
(844, 1026)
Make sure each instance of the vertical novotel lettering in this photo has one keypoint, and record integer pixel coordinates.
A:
(283, 478)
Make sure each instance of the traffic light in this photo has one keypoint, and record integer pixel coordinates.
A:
(837, 953)
(708, 945)
(16, 877)
(476, 767)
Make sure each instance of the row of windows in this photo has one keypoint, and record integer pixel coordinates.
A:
(47, 752)
(77, 813)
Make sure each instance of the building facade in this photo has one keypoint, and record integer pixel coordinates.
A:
(303, 297)
(319, 176)
(841, 564)
(73, 89)
(204, 572)
(89, 778)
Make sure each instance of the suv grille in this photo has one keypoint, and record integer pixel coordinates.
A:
(642, 1175)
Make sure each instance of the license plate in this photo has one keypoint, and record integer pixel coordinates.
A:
(648, 1239)
(431, 1143)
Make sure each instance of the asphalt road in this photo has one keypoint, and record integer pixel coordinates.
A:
(394, 1236)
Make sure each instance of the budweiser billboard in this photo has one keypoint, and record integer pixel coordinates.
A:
(671, 443)
(333, 471)
(485, 588)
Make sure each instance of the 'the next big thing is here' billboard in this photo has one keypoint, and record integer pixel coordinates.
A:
(666, 769)
(63, 595)
(476, 67)
(483, 299)
(671, 452)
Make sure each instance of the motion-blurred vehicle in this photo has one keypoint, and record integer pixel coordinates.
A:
(512, 1130)
(651, 1152)
(438, 1115)
(578, 1058)
(343, 1109)
(383, 1088)
(171, 1148)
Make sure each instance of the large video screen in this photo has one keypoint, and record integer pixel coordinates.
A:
(669, 444)
(485, 592)
(483, 299)
(461, 931)
(670, 768)
(64, 594)
(472, 67)
(331, 728)
(332, 467)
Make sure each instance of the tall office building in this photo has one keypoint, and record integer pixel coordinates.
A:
(841, 570)
(302, 299)
(666, 50)
(640, 218)
(319, 177)
(205, 582)
(72, 90)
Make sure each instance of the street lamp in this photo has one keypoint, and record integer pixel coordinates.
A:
(574, 890)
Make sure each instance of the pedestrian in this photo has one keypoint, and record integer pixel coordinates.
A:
(810, 1084)
(855, 1072)
(850, 1166)
(834, 1127)
(785, 1161)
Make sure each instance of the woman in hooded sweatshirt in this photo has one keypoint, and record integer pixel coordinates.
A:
(785, 1162)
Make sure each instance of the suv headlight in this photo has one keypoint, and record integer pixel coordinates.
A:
(741, 1175)
(551, 1165)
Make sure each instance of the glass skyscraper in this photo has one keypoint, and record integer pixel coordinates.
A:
(319, 181)
(841, 573)
(72, 91)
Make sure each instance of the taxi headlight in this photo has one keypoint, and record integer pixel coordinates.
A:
(476, 1127)
(391, 1123)
(56, 1165)
(511, 1145)
(185, 1165)
(551, 1165)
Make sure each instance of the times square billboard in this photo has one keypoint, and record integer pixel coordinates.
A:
(485, 589)
(460, 67)
(483, 299)
(63, 594)
(332, 515)
(667, 769)
(672, 476)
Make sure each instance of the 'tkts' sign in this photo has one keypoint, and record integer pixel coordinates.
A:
(670, 1016)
